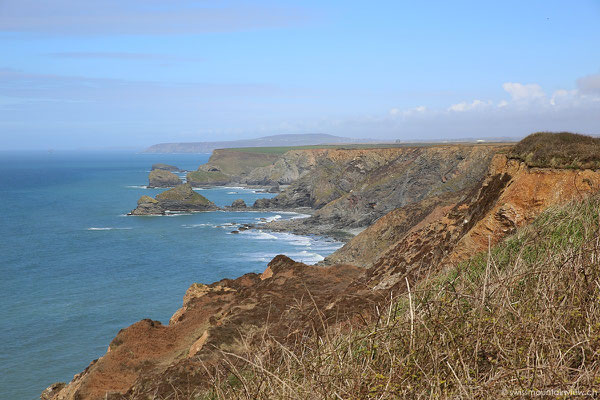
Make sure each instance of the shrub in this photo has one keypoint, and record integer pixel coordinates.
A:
(558, 150)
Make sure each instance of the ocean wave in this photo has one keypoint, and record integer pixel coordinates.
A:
(260, 235)
(264, 220)
(300, 216)
(305, 257)
(109, 228)
(137, 186)
(175, 213)
(190, 226)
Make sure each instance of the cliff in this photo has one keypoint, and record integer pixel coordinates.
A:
(230, 165)
(512, 195)
(180, 198)
(252, 324)
(352, 188)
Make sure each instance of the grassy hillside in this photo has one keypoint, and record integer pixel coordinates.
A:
(518, 321)
(237, 162)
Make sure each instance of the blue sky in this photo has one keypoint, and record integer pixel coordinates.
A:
(77, 74)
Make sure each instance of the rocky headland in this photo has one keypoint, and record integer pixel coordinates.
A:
(423, 213)
(181, 198)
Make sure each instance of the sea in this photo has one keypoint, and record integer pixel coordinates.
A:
(75, 268)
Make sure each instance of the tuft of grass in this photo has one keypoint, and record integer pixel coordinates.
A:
(518, 321)
(558, 150)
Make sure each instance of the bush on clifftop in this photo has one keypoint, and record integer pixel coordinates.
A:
(558, 150)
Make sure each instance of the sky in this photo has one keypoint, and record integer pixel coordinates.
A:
(132, 73)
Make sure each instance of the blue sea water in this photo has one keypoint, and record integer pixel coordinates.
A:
(75, 269)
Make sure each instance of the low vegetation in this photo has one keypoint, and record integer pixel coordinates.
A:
(518, 321)
(349, 146)
(199, 178)
(558, 150)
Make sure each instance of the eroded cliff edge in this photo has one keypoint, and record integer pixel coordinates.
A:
(295, 300)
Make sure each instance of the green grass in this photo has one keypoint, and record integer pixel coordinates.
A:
(358, 146)
(207, 177)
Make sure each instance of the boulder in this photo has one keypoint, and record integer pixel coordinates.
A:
(239, 203)
(162, 179)
(261, 203)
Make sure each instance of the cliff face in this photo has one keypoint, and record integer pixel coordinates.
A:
(148, 359)
(512, 195)
(352, 188)
(285, 170)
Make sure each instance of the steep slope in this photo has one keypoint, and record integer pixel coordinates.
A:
(512, 195)
(366, 247)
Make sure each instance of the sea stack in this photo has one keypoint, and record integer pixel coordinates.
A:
(181, 198)
(160, 178)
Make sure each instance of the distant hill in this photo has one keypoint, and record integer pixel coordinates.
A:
(305, 139)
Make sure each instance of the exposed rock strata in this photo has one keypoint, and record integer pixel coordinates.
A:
(352, 188)
(512, 195)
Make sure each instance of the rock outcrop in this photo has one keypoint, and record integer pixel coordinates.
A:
(148, 359)
(160, 178)
(181, 198)
(165, 167)
(238, 204)
(147, 205)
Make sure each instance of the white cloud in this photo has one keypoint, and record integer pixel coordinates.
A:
(562, 97)
(521, 92)
(464, 106)
(410, 111)
(589, 84)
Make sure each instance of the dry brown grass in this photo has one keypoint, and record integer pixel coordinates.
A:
(519, 321)
(558, 150)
